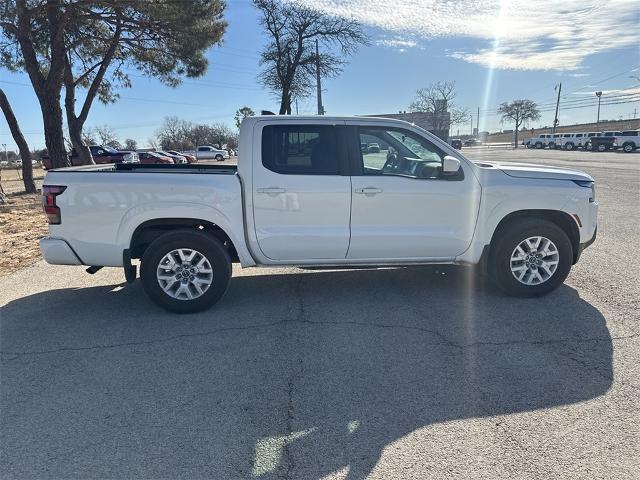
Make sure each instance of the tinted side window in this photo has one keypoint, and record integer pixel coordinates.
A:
(300, 150)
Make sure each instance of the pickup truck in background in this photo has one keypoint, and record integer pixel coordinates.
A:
(102, 154)
(629, 140)
(207, 152)
(304, 193)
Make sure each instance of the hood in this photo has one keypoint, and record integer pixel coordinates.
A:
(530, 170)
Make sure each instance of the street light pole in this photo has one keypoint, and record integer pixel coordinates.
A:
(599, 95)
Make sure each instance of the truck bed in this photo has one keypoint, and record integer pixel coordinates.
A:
(152, 168)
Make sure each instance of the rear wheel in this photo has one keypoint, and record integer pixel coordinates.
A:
(530, 258)
(628, 147)
(219, 158)
(185, 271)
(538, 145)
(602, 147)
(569, 146)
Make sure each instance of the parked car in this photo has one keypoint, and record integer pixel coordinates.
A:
(472, 142)
(538, 142)
(527, 223)
(567, 141)
(16, 163)
(207, 152)
(177, 158)
(190, 158)
(601, 143)
(373, 148)
(629, 140)
(147, 158)
(105, 154)
(456, 143)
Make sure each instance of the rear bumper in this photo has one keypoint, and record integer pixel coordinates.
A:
(58, 252)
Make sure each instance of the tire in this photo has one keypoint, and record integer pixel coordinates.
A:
(552, 146)
(628, 147)
(539, 145)
(216, 269)
(219, 158)
(588, 146)
(568, 146)
(602, 147)
(504, 248)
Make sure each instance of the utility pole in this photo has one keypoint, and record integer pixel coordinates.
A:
(599, 95)
(478, 122)
(320, 107)
(555, 120)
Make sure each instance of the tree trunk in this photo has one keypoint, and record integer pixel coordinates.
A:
(285, 102)
(516, 137)
(25, 153)
(53, 133)
(75, 135)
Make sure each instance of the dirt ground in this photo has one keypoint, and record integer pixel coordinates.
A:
(11, 179)
(22, 224)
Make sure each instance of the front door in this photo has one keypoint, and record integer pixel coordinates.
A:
(403, 207)
(301, 195)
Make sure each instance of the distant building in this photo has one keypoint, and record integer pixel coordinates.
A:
(436, 124)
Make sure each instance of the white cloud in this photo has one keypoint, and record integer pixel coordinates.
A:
(513, 34)
(397, 43)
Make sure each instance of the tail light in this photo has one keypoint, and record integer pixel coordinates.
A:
(49, 194)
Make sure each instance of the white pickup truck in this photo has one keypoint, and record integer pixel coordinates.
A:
(304, 193)
(207, 152)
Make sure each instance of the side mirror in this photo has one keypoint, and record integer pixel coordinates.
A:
(450, 165)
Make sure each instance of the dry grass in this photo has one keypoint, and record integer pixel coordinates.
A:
(11, 179)
(22, 224)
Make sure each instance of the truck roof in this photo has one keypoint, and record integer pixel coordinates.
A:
(326, 118)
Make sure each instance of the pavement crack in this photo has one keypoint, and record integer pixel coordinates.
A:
(443, 340)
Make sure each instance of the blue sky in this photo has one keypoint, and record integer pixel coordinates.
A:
(421, 42)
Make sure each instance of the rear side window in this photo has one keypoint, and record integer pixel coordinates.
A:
(630, 133)
(300, 150)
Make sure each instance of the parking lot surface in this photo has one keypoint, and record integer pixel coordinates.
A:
(420, 372)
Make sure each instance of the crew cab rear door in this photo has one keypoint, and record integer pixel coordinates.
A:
(403, 207)
(301, 191)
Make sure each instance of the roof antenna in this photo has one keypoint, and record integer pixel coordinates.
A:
(266, 112)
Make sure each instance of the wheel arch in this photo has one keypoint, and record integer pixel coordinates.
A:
(148, 231)
(562, 219)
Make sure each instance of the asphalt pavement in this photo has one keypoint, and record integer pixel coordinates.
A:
(420, 372)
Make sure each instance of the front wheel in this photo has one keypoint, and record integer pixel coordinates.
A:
(569, 146)
(219, 158)
(185, 271)
(628, 147)
(530, 258)
(602, 147)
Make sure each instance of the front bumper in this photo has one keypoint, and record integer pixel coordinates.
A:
(585, 245)
(58, 252)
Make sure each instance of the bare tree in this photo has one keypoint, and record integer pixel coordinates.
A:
(107, 136)
(520, 111)
(290, 59)
(438, 99)
(25, 153)
(130, 144)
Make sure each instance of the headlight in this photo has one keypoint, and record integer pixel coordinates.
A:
(588, 184)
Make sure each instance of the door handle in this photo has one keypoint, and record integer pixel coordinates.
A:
(368, 190)
(272, 190)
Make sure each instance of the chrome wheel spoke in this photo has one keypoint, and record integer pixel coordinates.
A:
(184, 274)
(534, 260)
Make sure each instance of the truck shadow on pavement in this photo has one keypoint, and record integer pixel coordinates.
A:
(299, 375)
